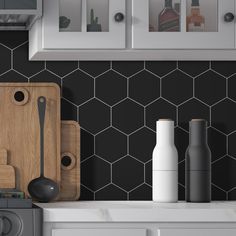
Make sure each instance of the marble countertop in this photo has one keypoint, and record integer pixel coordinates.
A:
(141, 211)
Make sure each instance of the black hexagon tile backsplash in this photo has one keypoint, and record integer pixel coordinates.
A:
(117, 104)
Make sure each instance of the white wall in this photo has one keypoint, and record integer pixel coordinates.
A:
(209, 9)
(72, 9)
(101, 10)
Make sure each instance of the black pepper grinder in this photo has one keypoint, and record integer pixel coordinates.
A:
(198, 163)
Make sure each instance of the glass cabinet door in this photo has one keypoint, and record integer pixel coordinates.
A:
(174, 24)
(84, 24)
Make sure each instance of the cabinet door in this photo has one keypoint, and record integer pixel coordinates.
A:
(84, 24)
(196, 232)
(99, 232)
(183, 24)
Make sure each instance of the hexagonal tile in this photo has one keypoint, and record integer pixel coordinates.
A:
(127, 173)
(142, 193)
(128, 68)
(13, 38)
(232, 195)
(5, 59)
(193, 68)
(159, 109)
(222, 116)
(231, 144)
(217, 143)
(218, 194)
(141, 144)
(181, 142)
(94, 116)
(85, 194)
(13, 76)
(22, 64)
(225, 68)
(148, 173)
(91, 171)
(94, 68)
(61, 68)
(111, 193)
(208, 93)
(193, 109)
(68, 110)
(224, 174)
(78, 87)
(86, 144)
(160, 68)
(177, 87)
(144, 87)
(111, 87)
(181, 172)
(231, 87)
(111, 145)
(46, 76)
(127, 116)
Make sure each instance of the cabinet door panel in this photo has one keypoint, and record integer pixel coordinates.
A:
(99, 232)
(156, 32)
(80, 33)
(196, 232)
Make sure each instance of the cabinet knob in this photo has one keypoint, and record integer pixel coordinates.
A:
(229, 17)
(119, 17)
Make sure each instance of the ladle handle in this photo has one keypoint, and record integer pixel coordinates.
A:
(41, 111)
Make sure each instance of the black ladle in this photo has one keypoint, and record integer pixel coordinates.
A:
(42, 189)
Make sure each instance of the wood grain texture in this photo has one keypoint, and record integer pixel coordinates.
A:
(7, 179)
(19, 125)
(70, 147)
(7, 172)
(3, 157)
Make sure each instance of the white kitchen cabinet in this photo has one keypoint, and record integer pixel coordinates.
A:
(99, 232)
(103, 33)
(125, 218)
(217, 34)
(196, 232)
(135, 229)
(130, 30)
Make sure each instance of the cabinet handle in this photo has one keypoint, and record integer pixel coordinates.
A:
(229, 17)
(119, 17)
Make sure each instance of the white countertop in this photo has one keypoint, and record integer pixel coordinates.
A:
(145, 211)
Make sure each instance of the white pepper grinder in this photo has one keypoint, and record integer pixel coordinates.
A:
(165, 163)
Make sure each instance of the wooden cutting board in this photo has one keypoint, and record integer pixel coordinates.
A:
(19, 130)
(70, 161)
(7, 172)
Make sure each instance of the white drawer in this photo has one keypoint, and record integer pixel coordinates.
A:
(197, 232)
(99, 232)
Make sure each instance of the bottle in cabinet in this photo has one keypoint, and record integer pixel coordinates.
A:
(198, 163)
(168, 19)
(195, 21)
(165, 163)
